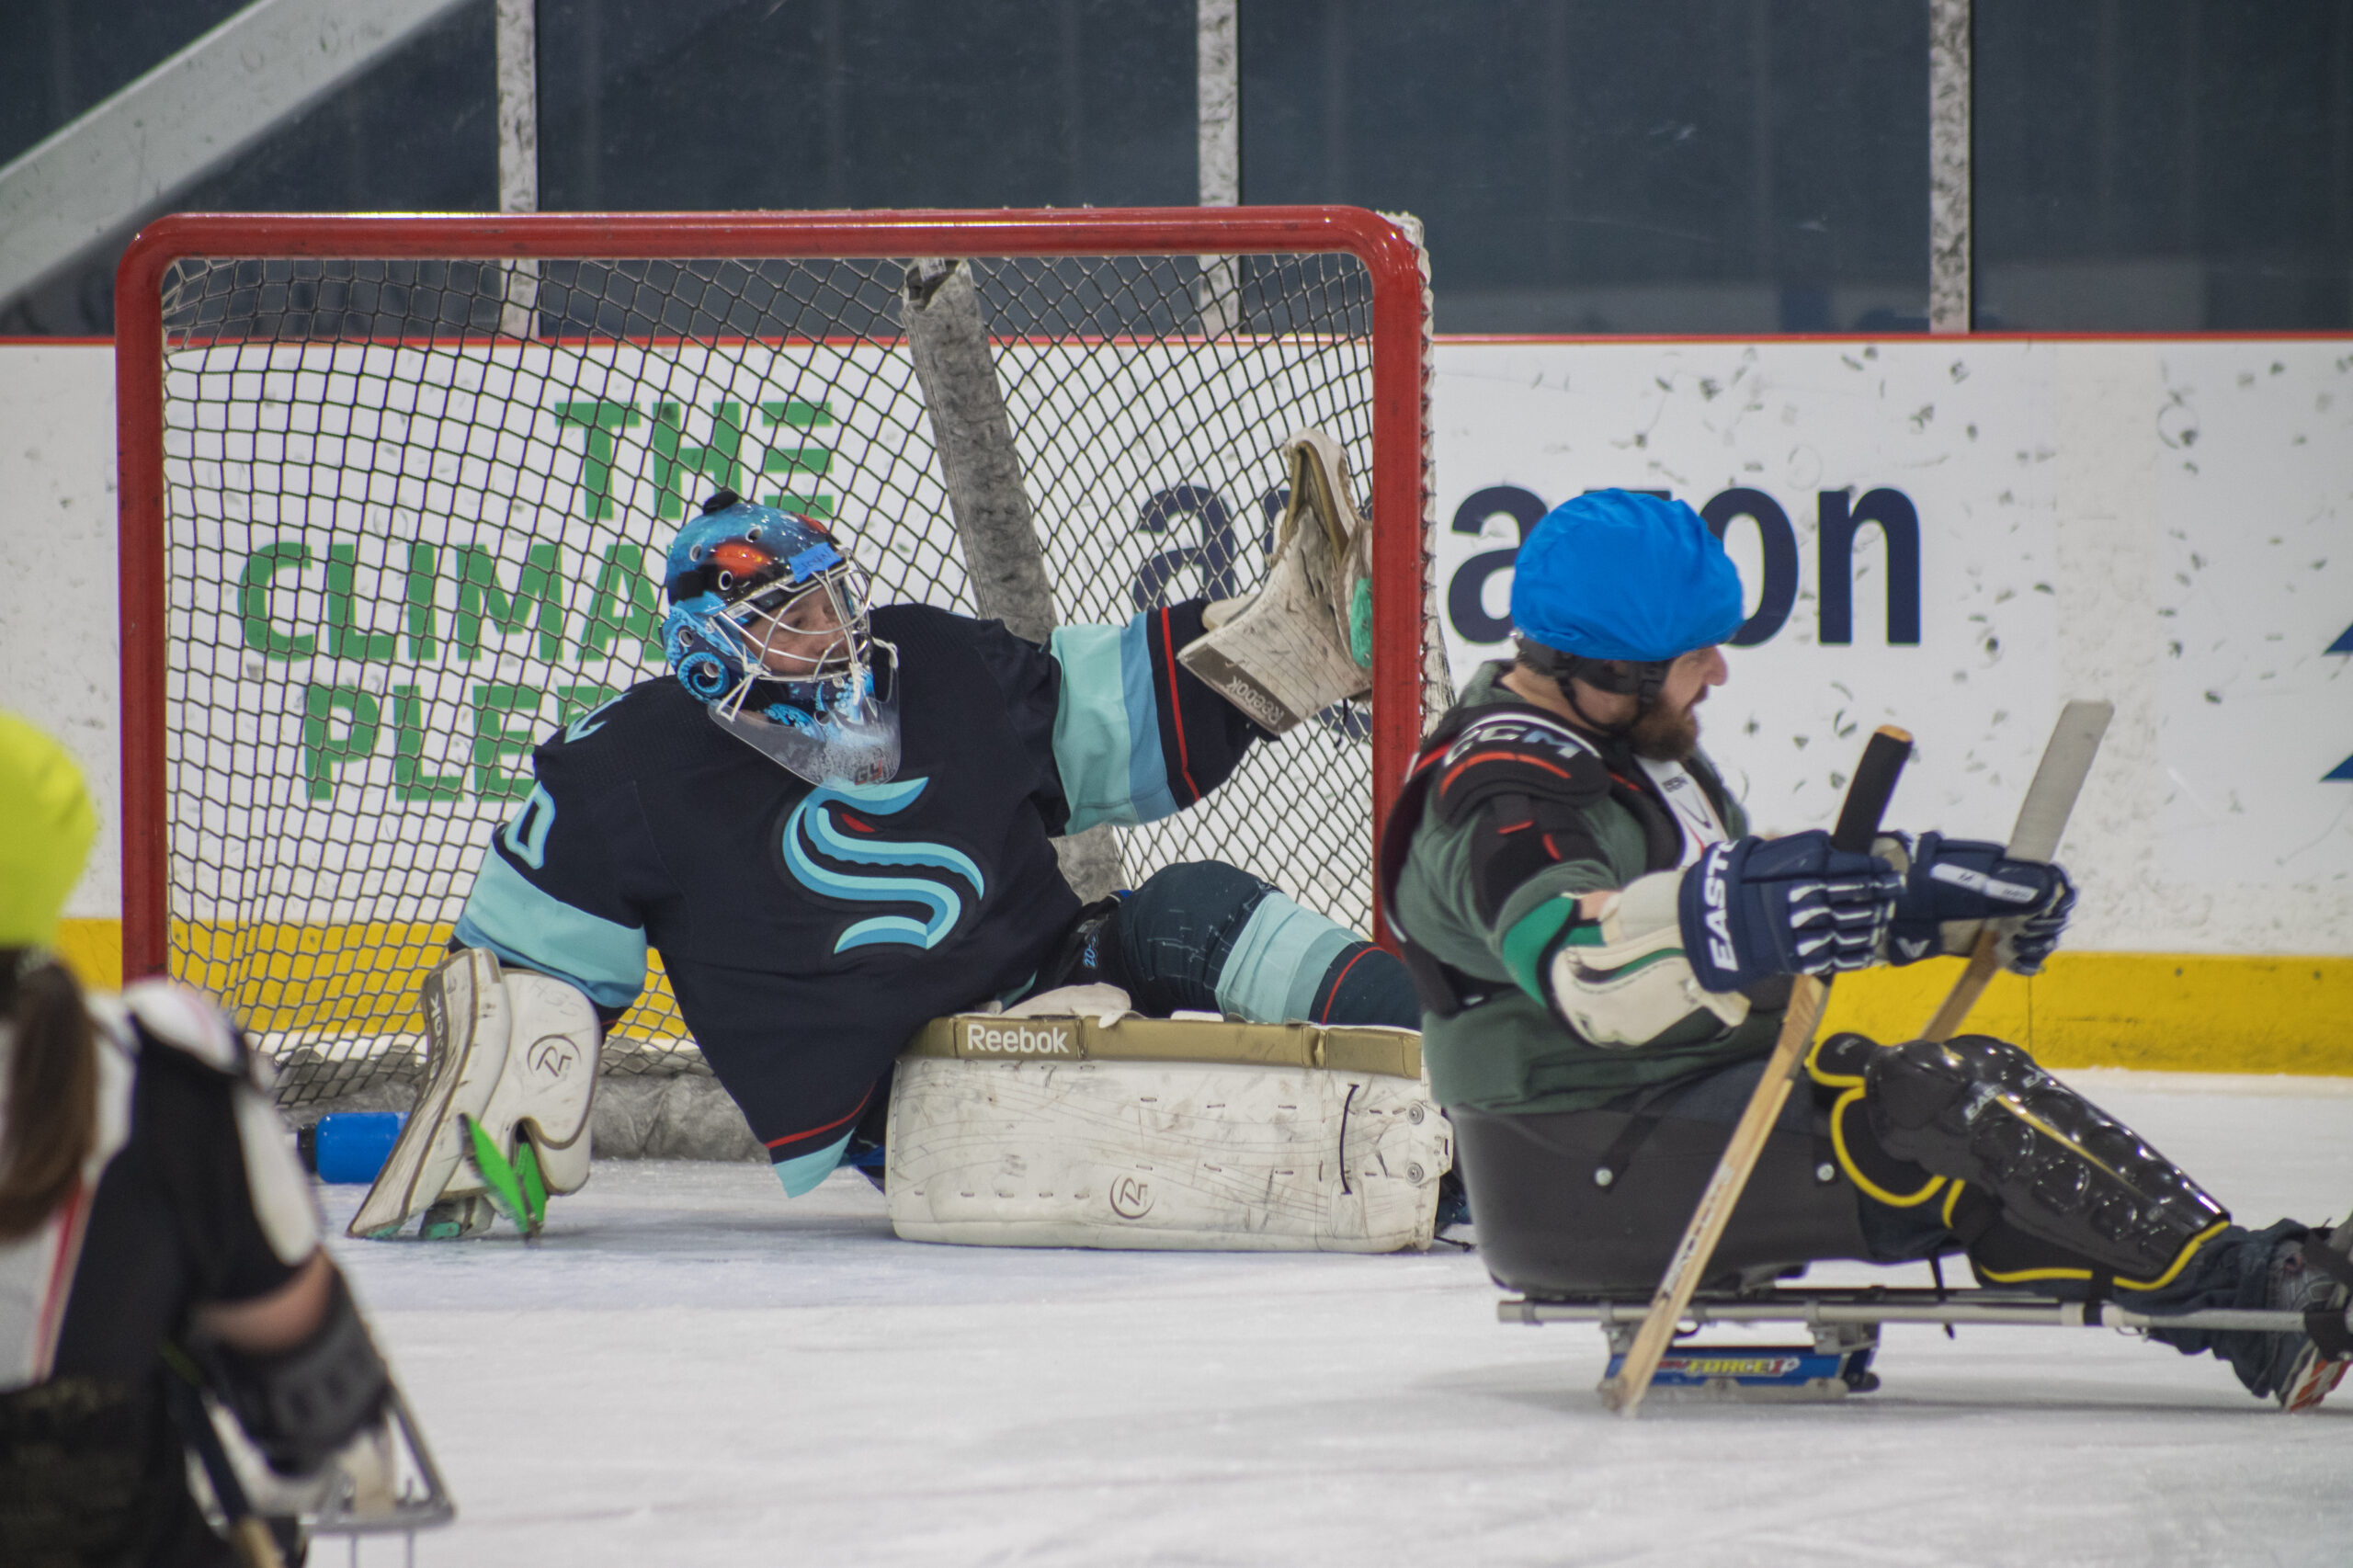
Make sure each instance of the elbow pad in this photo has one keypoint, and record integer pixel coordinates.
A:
(301, 1404)
(1624, 979)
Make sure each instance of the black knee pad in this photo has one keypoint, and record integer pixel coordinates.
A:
(1195, 896)
(1839, 1064)
(1173, 934)
(1978, 1110)
(1366, 985)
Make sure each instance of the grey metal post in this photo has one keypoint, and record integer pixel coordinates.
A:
(940, 311)
(1950, 285)
(519, 151)
(1218, 96)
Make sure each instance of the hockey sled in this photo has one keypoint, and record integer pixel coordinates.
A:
(384, 1482)
(1843, 1325)
(1097, 1130)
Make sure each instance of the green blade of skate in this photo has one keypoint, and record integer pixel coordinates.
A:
(499, 1174)
(533, 1185)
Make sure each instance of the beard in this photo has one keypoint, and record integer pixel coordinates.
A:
(1666, 734)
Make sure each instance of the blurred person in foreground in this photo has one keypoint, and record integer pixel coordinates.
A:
(154, 1229)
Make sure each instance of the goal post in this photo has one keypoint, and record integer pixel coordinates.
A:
(395, 492)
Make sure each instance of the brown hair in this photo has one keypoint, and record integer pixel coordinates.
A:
(53, 1107)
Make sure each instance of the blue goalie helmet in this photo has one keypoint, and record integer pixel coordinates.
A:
(770, 626)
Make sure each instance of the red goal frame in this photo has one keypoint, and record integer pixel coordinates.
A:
(1398, 489)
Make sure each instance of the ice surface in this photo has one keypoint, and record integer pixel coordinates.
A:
(690, 1369)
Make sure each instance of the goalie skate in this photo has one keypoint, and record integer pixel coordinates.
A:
(511, 1059)
(1287, 652)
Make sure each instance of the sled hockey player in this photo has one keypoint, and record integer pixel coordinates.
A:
(834, 824)
(155, 1226)
(1604, 953)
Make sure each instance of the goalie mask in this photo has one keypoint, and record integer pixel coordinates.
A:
(768, 626)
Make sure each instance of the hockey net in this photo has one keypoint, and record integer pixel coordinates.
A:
(407, 500)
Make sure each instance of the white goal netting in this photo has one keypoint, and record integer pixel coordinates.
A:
(416, 512)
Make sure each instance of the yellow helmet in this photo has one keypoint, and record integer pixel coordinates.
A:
(46, 826)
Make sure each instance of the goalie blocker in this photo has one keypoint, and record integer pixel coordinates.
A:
(1066, 1124)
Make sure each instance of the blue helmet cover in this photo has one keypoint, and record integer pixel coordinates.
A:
(1618, 574)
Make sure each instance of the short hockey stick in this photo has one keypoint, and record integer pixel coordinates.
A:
(2042, 817)
(1866, 798)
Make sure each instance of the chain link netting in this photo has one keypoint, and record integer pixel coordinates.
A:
(417, 511)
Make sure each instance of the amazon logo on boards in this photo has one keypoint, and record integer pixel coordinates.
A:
(1839, 516)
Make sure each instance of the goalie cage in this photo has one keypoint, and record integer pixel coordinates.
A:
(396, 492)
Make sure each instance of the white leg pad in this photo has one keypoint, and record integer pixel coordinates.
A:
(1164, 1156)
(466, 1032)
(507, 1050)
(548, 1089)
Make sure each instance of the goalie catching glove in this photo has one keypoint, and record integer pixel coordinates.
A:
(1292, 649)
(1955, 888)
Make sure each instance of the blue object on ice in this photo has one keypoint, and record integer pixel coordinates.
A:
(352, 1145)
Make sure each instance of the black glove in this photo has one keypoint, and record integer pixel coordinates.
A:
(1757, 907)
(1955, 888)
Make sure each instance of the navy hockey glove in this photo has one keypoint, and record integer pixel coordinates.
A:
(1953, 886)
(1757, 907)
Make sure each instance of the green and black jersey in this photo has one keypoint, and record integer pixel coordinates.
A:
(1506, 832)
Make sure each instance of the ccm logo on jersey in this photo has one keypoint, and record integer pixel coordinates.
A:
(1052, 1040)
(1516, 731)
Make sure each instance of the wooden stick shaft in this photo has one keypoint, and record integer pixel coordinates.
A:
(1867, 797)
(2042, 818)
(1982, 967)
(1624, 1393)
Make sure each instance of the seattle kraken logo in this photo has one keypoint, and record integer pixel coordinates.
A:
(812, 826)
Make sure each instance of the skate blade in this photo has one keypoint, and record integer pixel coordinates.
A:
(1766, 1374)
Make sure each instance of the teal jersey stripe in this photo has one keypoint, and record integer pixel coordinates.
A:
(526, 926)
(802, 1172)
(1528, 945)
(1106, 728)
(1147, 767)
(1276, 964)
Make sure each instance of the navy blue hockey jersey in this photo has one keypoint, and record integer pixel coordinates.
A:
(809, 931)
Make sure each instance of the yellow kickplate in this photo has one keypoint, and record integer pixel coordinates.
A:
(990, 1037)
